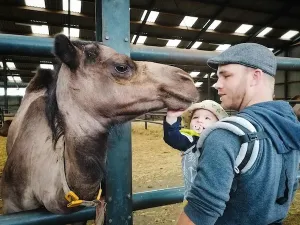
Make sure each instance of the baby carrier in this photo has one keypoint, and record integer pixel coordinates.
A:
(250, 141)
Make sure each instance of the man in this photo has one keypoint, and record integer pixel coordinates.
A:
(264, 193)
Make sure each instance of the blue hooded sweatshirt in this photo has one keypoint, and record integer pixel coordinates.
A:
(262, 195)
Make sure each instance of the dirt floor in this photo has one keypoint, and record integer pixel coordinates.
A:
(157, 166)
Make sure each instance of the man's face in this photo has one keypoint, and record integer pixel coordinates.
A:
(232, 85)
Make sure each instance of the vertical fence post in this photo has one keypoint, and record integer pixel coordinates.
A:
(146, 125)
(208, 87)
(112, 28)
(5, 88)
(286, 85)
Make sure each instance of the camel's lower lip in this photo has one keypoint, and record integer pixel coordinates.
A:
(176, 109)
(184, 99)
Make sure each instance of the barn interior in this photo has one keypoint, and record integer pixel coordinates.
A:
(206, 25)
(196, 26)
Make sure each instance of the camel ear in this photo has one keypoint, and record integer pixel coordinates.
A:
(66, 51)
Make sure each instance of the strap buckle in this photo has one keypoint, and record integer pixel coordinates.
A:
(252, 136)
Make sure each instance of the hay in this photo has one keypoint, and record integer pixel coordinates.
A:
(3, 155)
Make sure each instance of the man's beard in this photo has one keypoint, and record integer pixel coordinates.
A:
(235, 100)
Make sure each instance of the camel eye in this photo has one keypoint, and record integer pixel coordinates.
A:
(121, 68)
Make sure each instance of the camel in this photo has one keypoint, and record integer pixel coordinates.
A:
(58, 137)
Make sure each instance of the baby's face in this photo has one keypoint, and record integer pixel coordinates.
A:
(202, 119)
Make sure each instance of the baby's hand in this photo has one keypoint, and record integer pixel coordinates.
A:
(174, 113)
(172, 116)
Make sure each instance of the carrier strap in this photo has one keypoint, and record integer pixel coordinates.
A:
(250, 138)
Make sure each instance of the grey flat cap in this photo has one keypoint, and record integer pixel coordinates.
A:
(247, 54)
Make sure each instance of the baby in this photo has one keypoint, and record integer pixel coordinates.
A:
(195, 119)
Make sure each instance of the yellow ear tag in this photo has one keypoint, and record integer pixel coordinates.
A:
(74, 203)
(99, 194)
(71, 196)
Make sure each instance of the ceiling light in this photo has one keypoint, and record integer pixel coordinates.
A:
(243, 28)
(198, 84)
(152, 17)
(144, 14)
(173, 43)
(14, 79)
(35, 3)
(40, 29)
(75, 5)
(288, 35)
(194, 74)
(264, 32)
(188, 21)
(74, 32)
(133, 38)
(223, 47)
(46, 66)
(214, 25)
(15, 91)
(141, 39)
(196, 44)
(11, 65)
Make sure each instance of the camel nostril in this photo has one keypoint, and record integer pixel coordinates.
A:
(184, 76)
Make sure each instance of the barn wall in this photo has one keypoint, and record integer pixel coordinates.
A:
(293, 78)
(13, 103)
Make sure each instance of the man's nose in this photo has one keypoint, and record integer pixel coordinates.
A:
(217, 85)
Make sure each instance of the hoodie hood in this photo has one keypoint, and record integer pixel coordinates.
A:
(279, 122)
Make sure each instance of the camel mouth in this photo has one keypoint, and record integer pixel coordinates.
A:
(182, 97)
(183, 101)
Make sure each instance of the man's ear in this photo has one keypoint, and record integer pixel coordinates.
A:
(256, 77)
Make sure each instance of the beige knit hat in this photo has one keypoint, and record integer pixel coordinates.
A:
(209, 105)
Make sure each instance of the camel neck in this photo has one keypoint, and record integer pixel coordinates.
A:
(85, 159)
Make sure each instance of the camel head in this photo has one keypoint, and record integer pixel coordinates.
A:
(115, 88)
